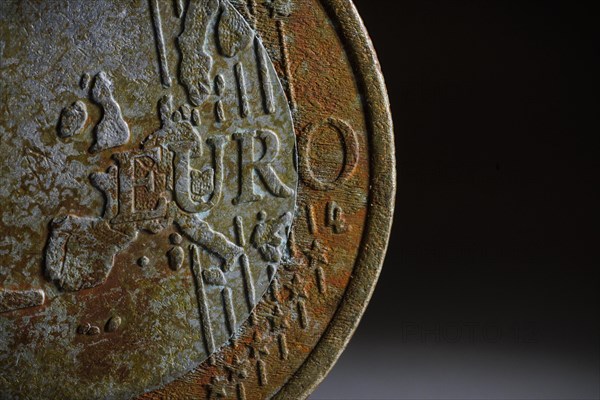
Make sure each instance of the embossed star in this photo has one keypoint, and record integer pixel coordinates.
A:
(259, 345)
(317, 254)
(239, 369)
(278, 319)
(297, 288)
(217, 389)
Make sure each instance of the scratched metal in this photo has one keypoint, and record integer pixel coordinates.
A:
(196, 195)
(148, 199)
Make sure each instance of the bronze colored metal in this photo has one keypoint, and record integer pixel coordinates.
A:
(196, 196)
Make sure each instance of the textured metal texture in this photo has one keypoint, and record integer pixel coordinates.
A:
(196, 195)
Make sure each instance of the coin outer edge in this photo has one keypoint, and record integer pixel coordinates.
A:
(381, 204)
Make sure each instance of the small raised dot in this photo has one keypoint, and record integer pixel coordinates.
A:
(175, 238)
(113, 324)
(143, 261)
(177, 117)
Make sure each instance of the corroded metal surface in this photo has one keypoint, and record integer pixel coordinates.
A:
(196, 195)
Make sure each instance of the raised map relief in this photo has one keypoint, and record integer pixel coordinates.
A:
(215, 183)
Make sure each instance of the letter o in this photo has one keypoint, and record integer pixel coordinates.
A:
(350, 147)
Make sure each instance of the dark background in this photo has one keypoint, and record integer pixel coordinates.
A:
(488, 290)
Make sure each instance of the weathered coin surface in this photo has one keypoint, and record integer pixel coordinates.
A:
(195, 195)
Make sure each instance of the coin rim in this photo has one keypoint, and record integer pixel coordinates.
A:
(380, 210)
